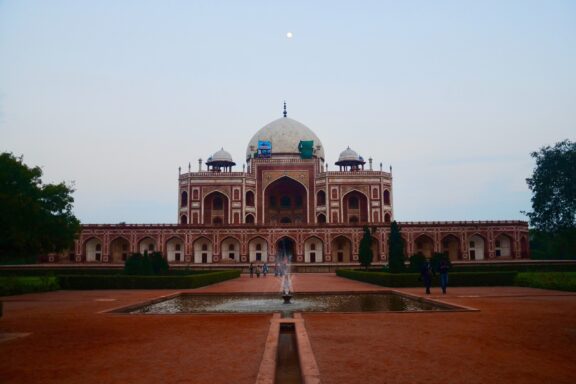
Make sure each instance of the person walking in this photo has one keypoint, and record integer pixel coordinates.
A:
(251, 269)
(265, 269)
(426, 275)
(443, 270)
(258, 270)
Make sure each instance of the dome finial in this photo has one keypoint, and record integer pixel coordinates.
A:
(285, 113)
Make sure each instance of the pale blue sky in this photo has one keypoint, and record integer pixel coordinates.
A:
(115, 95)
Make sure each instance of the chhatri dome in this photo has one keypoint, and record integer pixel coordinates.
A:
(285, 135)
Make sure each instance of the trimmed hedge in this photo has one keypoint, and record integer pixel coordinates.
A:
(27, 284)
(145, 282)
(455, 279)
(562, 281)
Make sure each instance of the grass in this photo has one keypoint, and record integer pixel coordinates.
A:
(562, 281)
(16, 285)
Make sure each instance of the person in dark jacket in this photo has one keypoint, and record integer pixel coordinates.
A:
(251, 268)
(443, 270)
(426, 275)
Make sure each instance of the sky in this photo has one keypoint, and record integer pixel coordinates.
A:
(114, 95)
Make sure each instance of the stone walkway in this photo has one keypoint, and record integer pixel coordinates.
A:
(519, 335)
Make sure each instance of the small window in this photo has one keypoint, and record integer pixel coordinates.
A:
(217, 203)
(184, 199)
(258, 256)
(472, 244)
(498, 253)
(231, 247)
(298, 201)
(497, 243)
(204, 247)
(285, 202)
(231, 255)
(386, 197)
(321, 219)
(250, 198)
(353, 202)
(98, 247)
(258, 247)
(313, 246)
(177, 247)
(177, 256)
(321, 198)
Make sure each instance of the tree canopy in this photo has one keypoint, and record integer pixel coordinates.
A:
(396, 249)
(35, 218)
(365, 251)
(553, 185)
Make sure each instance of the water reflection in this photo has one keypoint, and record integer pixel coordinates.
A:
(365, 302)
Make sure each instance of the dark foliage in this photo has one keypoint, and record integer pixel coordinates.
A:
(416, 262)
(145, 264)
(365, 251)
(35, 218)
(396, 249)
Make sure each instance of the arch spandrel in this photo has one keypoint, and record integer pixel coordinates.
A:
(301, 176)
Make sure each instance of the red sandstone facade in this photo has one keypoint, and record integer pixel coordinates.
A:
(286, 204)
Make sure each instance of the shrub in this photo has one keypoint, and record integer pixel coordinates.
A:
(146, 282)
(416, 262)
(27, 284)
(562, 281)
(462, 279)
(146, 265)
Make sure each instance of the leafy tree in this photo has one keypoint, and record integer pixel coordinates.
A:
(437, 258)
(396, 249)
(417, 261)
(553, 185)
(35, 218)
(146, 264)
(365, 251)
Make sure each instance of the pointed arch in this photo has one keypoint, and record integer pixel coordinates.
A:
(257, 249)
(313, 250)
(249, 219)
(477, 247)
(386, 197)
(119, 249)
(147, 244)
(285, 198)
(503, 246)
(341, 249)
(175, 249)
(250, 198)
(424, 244)
(202, 250)
(216, 207)
(321, 218)
(93, 250)
(230, 250)
(451, 246)
(355, 204)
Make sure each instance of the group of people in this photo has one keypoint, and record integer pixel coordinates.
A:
(280, 269)
(258, 270)
(426, 273)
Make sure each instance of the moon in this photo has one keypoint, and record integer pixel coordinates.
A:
(289, 35)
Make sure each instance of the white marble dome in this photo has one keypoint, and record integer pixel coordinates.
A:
(221, 155)
(349, 155)
(285, 134)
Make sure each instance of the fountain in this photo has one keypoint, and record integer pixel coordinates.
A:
(286, 283)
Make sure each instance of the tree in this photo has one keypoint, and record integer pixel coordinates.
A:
(35, 218)
(396, 249)
(553, 185)
(365, 251)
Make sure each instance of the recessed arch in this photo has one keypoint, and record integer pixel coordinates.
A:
(286, 249)
(250, 198)
(424, 245)
(147, 244)
(184, 199)
(119, 249)
(321, 198)
(183, 219)
(341, 249)
(321, 218)
(355, 204)
(386, 197)
(175, 249)
(93, 249)
(216, 206)
(451, 247)
(285, 198)
(503, 246)
(202, 250)
(387, 218)
(249, 219)
(477, 248)
(257, 249)
(230, 250)
(313, 250)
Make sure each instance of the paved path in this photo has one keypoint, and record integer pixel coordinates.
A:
(519, 335)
